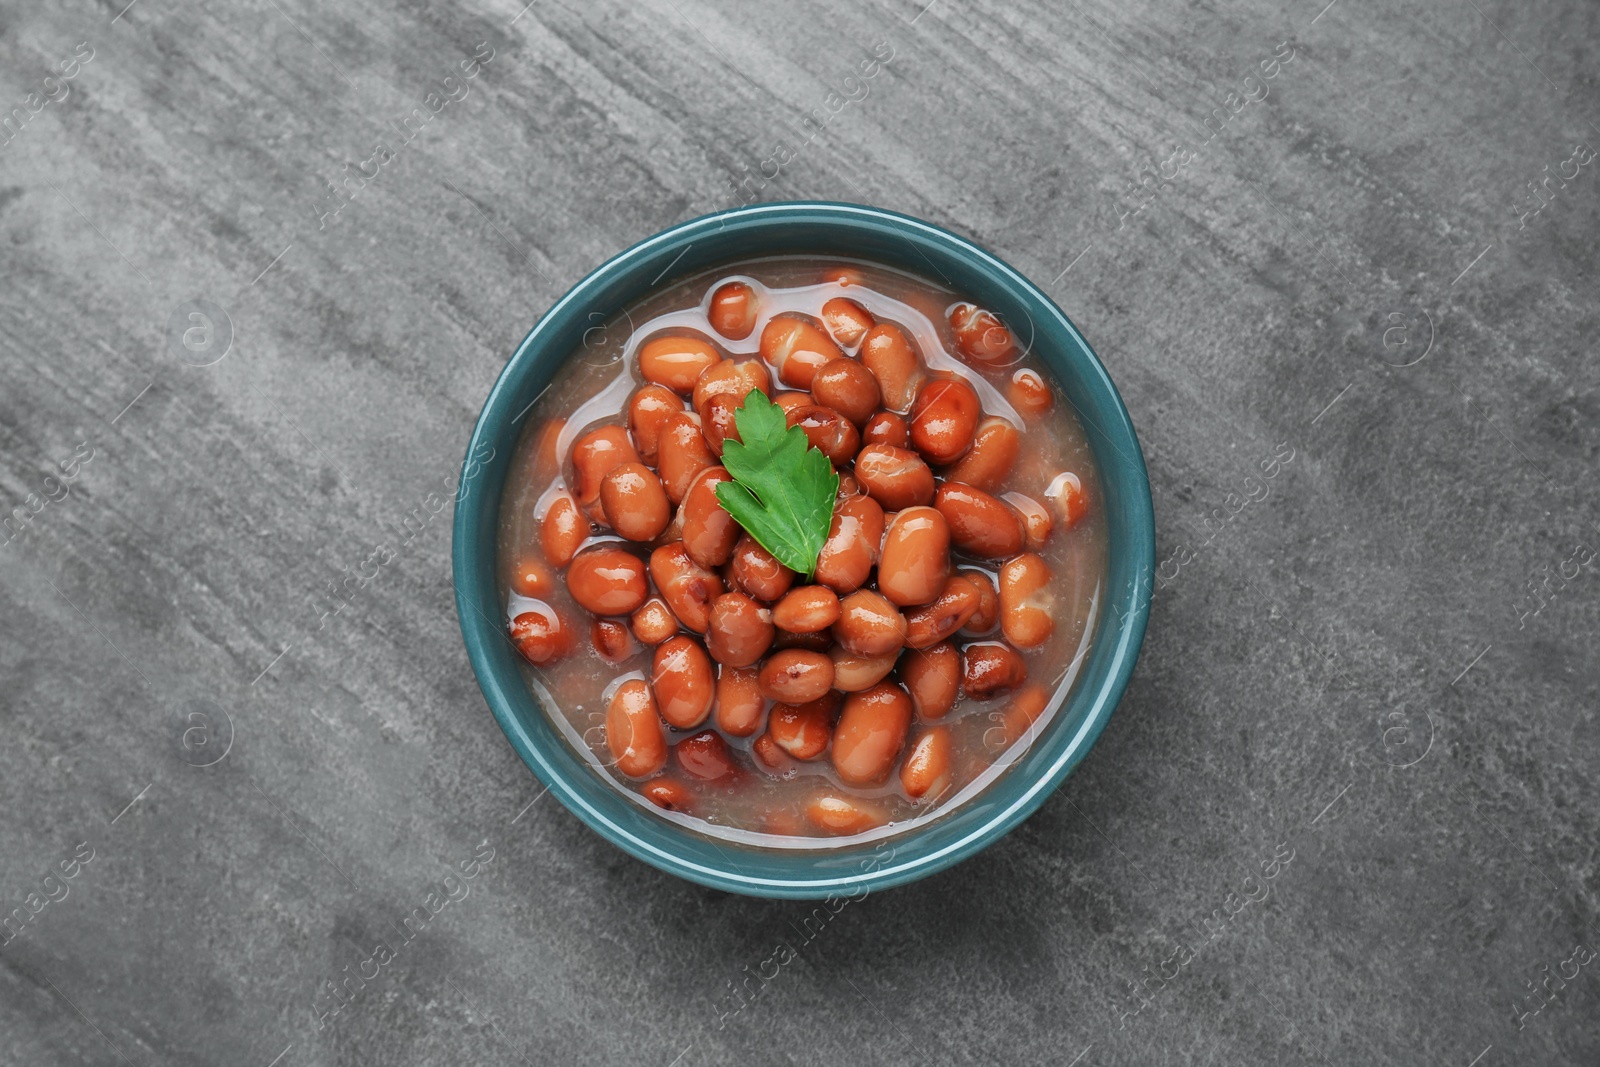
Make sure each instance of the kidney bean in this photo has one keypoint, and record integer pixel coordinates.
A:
(635, 503)
(851, 549)
(735, 378)
(989, 461)
(869, 624)
(987, 617)
(1030, 394)
(828, 431)
(687, 587)
(683, 682)
(531, 578)
(944, 419)
(806, 610)
(803, 730)
(758, 571)
(848, 486)
(990, 667)
(1022, 712)
(886, 428)
(819, 641)
(846, 320)
(670, 794)
(739, 631)
(739, 702)
(980, 336)
(648, 412)
(796, 347)
(933, 678)
(607, 580)
(611, 640)
(848, 388)
(980, 525)
(676, 362)
(795, 676)
(916, 557)
(733, 310)
(705, 756)
(1035, 518)
(792, 401)
(709, 532)
(844, 815)
(720, 423)
(926, 771)
(871, 732)
(769, 754)
(894, 477)
(594, 455)
(540, 634)
(654, 622)
(562, 530)
(683, 453)
(1026, 603)
(928, 625)
(888, 353)
(633, 730)
(853, 673)
(1065, 494)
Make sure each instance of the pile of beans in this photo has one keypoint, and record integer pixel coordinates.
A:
(853, 670)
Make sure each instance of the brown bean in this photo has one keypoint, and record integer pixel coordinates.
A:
(888, 353)
(796, 347)
(828, 432)
(683, 453)
(987, 617)
(792, 401)
(1026, 603)
(687, 587)
(989, 461)
(886, 428)
(633, 730)
(916, 557)
(871, 732)
(607, 580)
(669, 794)
(894, 477)
(803, 730)
(636, 504)
(933, 678)
(795, 676)
(853, 673)
(719, 424)
(851, 549)
(1065, 494)
(758, 571)
(980, 337)
(683, 682)
(739, 631)
(1035, 518)
(735, 378)
(733, 310)
(1023, 711)
(654, 622)
(705, 756)
(769, 754)
(594, 455)
(928, 625)
(676, 362)
(820, 641)
(926, 771)
(709, 532)
(848, 486)
(844, 815)
(562, 530)
(531, 578)
(1030, 394)
(944, 419)
(848, 388)
(611, 640)
(739, 701)
(846, 320)
(540, 634)
(991, 667)
(869, 625)
(806, 610)
(980, 525)
(648, 412)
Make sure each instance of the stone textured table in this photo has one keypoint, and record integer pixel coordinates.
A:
(1352, 246)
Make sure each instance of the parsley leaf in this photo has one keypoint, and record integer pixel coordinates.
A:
(783, 489)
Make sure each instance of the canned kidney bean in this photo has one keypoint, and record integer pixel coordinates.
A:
(846, 320)
(871, 731)
(633, 731)
(683, 683)
(848, 388)
(648, 412)
(540, 635)
(895, 477)
(676, 362)
(687, 587)
(635, 503)
(796, 347)
(607, 580)
(795, 676)
(733, 310)
(932, 676)
(739, 631)
(1026, 602)
(806, 610)
(740, 706)
(944, 419)
(916, 557)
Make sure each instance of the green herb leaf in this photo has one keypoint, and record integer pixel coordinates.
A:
(783, 489)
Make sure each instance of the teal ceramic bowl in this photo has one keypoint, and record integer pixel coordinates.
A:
(813, 229)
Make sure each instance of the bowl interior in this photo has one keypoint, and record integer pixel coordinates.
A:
(827, 230)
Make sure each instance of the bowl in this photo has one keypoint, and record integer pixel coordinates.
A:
(826, 229)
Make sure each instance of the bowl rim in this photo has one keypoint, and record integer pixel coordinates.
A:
(479, 631)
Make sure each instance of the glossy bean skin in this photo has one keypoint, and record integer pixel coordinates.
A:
(633, 730)
(853, 673)
(1065, 494)
(682, 454)
(933, 678)
(531, 578)
(654, 622)
(888, 353)
(803, 730)
(740, 706)
(733, 311)
(926, 771)
(846, 320)
(676, 362)
(540, 634)
(594, 455)
(669, 794)
(796, 347)
(1035, 517)
(869, 624)
(886, 428)
(758, 572)
(709, 532)
(848, 555)
(987, 617)
(872, 730)
(687, 587)
(988, 462)
(719, 423)
(843, 815)
(928, 625)
(915, 561)
(980, 525)
(944, 419)
(611, 639)
(732, 377)
(795, 676)
(806, 610)
(771, 756)
(739, 631)
(1026, 603)
(894, 477)
(635, 502)
(683, 682)
(705, 756)
(980, 336)
(791, 400)
(1030, 394)
(989, 668)
(828, 432)
(563, 528)
(848, 388)
(607, 580)
(648, 411)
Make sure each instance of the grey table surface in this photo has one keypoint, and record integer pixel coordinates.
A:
(1300, 234)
